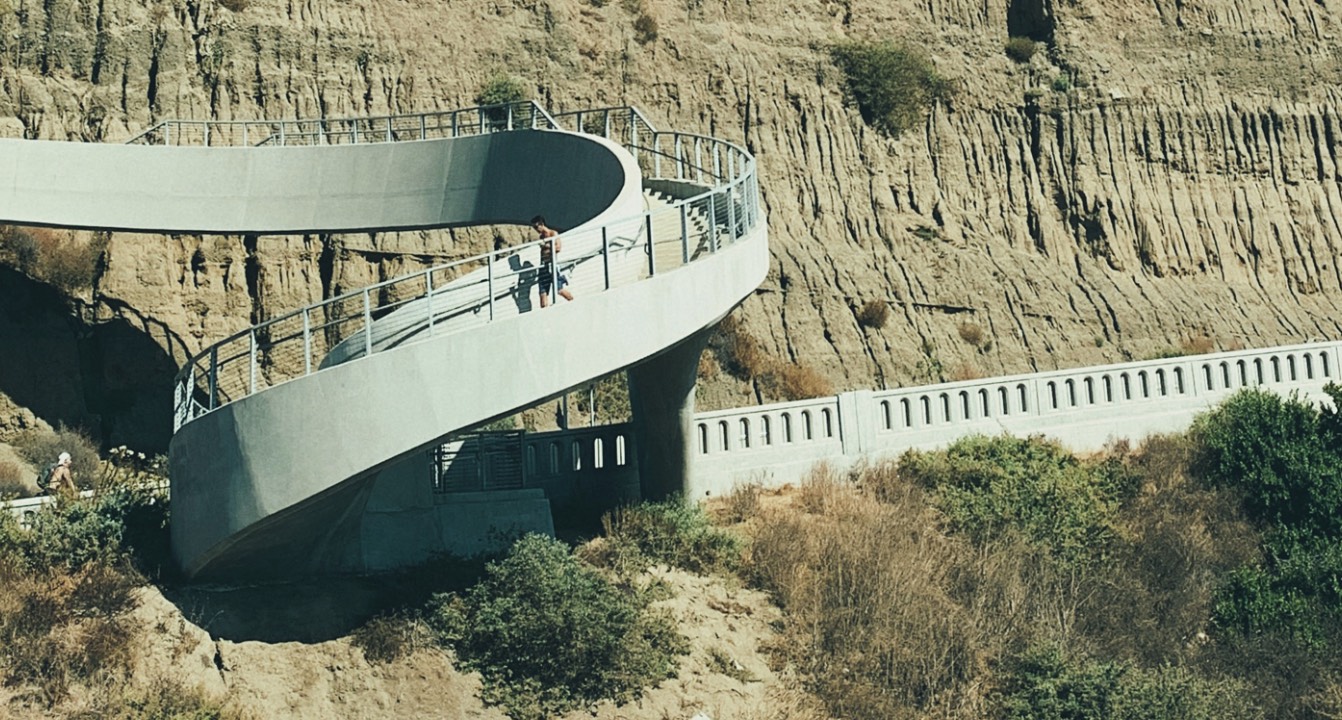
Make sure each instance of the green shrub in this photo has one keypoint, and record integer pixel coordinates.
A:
(645, 28)
(990, 487)
(110, 527)
(549, 634)
(671, 532)
(1021, 49)
(1043, 683)
(1275, 452)
(501, 90)
(892, 85)
(1061, 84)
(165, 699)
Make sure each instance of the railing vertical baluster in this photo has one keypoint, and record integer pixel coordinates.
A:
(510, 117)
(206, 125)
(680, 159)
(698, 162)
(657, 156)
(213, 380)
(167, 133)
(456, 119)
(605, 253)
(354, 132)
(652, 263)
(367, 324)
(245, 141)
(251, 361)
(606, 132)
(389, 138)
(731, 215)
(481, 114)
(423, 127)
(685, 233)
(282, 124)
(712, 223)
(633, 136)
(307, 340)
(717, 163)
(428, 298)
(489, 277)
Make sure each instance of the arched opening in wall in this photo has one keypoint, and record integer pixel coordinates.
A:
(619, 449)
(1005, 400)
(1323, 360)
(576, 448)
(112, 379)
(906, 412)
(1276, 369)
(598, 454)
(1225, 375)
(1108, 388)
(984, 409)
(703, 439)
(531, 460)
(886, 420)
(945, 407)
(1089, 384)
(965, 412)
(1024, 403)
(1162, 388)
(766, 431)
(1032, 19)
(1243, 373)
(827, 421)
(1144, 383)
(1052, 396)
(1290, 367)
(723, 443)
(1179, 380)
(806, 425)
(787, 427)
(1258, 370)
(554, 458)
(1309, 367)
(745, 433)
(1071, 392)
(1126, 382)
(927, 409)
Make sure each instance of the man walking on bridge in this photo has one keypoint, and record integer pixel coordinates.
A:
(549, 269)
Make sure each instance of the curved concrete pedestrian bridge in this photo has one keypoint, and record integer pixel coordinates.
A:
(288, 435)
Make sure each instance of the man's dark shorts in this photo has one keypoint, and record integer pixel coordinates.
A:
(544, 280)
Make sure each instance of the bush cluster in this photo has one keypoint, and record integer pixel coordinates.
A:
(741, 355)
(41, 448)
(1021, 49)
(550, 634)
(57, 257)
(670, 532)
(992, 487)
(874, 314)
(892, 85)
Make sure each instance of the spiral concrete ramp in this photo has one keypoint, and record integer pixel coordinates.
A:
(283, 429)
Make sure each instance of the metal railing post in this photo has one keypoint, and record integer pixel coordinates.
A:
(731, 215)
(213, 380)
(652, 263)
(423, 127)
(428, 298)
(680, 160)
(606, 131)
(282, 124)
(657, 156)
(251, 360)
(167, 133)
(717, 163)
(685, 233)
(633, 136)
(481, 116)
(245, 141)
(510, 117)
(206, 125)
(605, 254)
(367, 324)
(712, 223)
(307, 340)
(456, 119)
(698, 161)
(489, 278)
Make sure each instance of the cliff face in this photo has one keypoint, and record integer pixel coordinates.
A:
(1179, 189)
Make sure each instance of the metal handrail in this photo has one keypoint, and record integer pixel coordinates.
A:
(349, 130)
(467, 292)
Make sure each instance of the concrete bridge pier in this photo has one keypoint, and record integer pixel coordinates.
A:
(661, 396)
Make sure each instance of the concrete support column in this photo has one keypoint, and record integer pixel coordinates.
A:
(661, 395)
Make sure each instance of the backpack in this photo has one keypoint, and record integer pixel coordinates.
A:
(44, 478)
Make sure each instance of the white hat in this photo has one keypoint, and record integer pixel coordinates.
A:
(64, 458)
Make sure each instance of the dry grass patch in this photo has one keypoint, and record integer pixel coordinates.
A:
(874, 314)
(802, 382)
(972, 333)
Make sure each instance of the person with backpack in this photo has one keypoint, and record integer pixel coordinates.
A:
(60, 481)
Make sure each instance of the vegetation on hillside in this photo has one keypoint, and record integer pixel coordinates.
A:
(893, 85)
(1192, 577)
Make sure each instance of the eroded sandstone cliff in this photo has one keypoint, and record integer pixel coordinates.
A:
(1161, 176)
